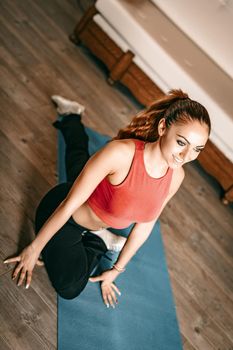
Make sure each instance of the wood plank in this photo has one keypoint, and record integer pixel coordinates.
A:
(69, 10)
(31, 138)
(201, 331)
(188, 346)
(194, 236)
(23, 75)
(203, 190)
(25, 323)
(3, 343)
(15, 90)
(15, 46)
(199, 285)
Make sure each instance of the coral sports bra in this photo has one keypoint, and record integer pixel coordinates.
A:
(138, 198)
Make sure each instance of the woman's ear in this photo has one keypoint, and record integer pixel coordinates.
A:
(162, 127)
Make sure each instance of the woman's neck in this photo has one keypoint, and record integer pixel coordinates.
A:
(156, 166)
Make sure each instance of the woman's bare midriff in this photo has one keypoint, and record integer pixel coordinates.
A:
(85, 217)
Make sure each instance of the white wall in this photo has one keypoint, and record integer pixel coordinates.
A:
(209, 23)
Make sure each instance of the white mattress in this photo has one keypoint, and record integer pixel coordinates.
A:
(166, 54)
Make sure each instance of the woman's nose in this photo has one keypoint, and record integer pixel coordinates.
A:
(184, 154)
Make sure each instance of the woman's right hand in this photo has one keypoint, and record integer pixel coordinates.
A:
(109, 289)
(27, 260)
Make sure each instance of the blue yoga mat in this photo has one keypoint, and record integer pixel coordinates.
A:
(144, 319)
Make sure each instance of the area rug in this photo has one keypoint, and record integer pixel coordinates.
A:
(144, 319)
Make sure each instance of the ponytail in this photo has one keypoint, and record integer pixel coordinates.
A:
(176, 106)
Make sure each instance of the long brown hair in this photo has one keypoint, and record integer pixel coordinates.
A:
(175, 107)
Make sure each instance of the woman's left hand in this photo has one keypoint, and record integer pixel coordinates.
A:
(109, 289)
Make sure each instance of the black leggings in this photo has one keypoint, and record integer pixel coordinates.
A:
(72, 253)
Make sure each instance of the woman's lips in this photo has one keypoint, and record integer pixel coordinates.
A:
(177, 160)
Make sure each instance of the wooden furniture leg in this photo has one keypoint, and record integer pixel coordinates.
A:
(228, 196)
(74, 37)
(120, 67)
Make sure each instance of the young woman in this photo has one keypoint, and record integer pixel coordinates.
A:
(130, 180)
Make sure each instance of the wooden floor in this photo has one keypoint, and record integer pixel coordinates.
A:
(36, 61)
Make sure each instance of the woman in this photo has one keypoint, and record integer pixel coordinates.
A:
(130, 180)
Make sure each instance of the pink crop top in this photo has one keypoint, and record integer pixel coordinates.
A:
(137, 199)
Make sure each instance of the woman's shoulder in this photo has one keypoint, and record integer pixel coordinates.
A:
(122, 146)
(122, 151)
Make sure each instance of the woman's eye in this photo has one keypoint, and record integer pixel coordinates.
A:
(197, 150)
(180, 143)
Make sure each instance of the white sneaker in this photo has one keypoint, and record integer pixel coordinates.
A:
(65, 106)
(112, 241)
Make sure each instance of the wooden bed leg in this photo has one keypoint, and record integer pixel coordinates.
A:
(110, 81)
(228, 196)
(120, 67)
(88, 15)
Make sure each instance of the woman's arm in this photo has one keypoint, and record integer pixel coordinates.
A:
(135, 240)
(98, 166)
(137, 237)
(141, 232)
(101, 164)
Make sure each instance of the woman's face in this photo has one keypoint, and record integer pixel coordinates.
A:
(182, 143)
